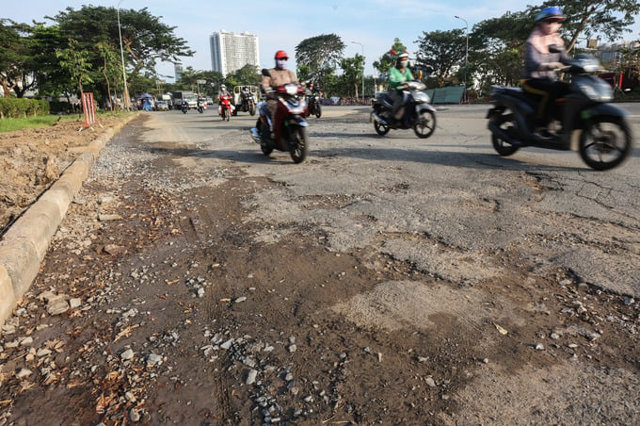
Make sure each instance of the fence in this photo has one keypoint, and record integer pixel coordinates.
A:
(446, 95)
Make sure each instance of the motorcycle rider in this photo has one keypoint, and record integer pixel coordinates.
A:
(278, 76)
(539, 64)
(223, 92)
(399, 74)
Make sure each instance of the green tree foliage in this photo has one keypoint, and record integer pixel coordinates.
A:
(144, 37)
(321, 54)
(247, 75)
(352, 70)
(15, 59)
(441, 52)
(388, 59)
(75, 61)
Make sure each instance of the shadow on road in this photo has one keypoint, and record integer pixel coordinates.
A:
(452, 159)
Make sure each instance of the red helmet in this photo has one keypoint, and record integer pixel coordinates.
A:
(281, 54)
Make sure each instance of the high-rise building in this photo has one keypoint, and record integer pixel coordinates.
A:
(177, 68)
(231, 51)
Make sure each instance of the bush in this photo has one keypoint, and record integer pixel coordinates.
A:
(20, 107)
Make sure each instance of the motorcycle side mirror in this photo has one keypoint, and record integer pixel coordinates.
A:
(265, 72)
(554, 49)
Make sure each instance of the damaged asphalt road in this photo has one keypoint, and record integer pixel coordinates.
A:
(391, 280)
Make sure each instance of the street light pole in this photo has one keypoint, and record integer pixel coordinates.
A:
(362, 46)
(125, 94)
(466, 54)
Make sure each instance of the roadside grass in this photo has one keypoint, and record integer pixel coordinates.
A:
(13, 124)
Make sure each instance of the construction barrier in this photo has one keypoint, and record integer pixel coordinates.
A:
(89, 109)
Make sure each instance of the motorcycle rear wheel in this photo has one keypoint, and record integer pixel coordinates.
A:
(425, 125)
(502, 147)
(381, 129)
(605, 143)
(298, 145)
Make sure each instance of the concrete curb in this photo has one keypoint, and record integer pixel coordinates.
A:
(25, 244)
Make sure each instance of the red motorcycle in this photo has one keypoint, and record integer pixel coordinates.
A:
(288, 131)
(225, 109)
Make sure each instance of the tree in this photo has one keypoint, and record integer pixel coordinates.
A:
(247, 75)
(111, 67)
(388, 60)
(441, 51)
(75, 61)
(145, 38)
(352, 70)
(14, 58)
(321, 54)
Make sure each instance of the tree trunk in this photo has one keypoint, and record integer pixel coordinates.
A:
(6, 89)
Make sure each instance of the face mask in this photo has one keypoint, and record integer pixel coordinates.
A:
(281, 64)
(403, 64)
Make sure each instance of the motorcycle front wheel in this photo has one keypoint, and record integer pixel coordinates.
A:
(252, 109)
(298, 145)
(502, 147)
(381, 129)
(425, 125)
(605, 143)
(318, 110)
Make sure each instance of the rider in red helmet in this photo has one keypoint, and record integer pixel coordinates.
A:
(278, 76)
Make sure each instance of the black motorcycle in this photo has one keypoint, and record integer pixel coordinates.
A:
(313, 103)
(247, 103)
(184, 107)
(415, 112)
(605, 139)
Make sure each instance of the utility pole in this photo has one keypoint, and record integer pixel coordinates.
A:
(466, 56)
(125, 95)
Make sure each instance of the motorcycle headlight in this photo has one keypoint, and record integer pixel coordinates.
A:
(600, 93)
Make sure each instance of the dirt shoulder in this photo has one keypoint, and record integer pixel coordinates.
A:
(32, 159)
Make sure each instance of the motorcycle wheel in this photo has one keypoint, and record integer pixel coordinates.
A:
(266, 149)
(227, 115)
(184, 111)
(425, 125)
(298, 146)
(252, 110)
(501, 146)
(381, 129)
(318, 111)
(605, 143)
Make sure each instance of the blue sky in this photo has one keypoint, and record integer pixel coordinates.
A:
(282, 24)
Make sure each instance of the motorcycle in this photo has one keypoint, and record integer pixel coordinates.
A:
(313, 100)
(225, 109)
(605, 139)
(247, 104)
(184, 107)
(288, 131)
(200, 108)
(416, 113)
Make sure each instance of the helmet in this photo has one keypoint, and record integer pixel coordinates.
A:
(399, 55)
(223, 87)
(553, 12)
(281, 54)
